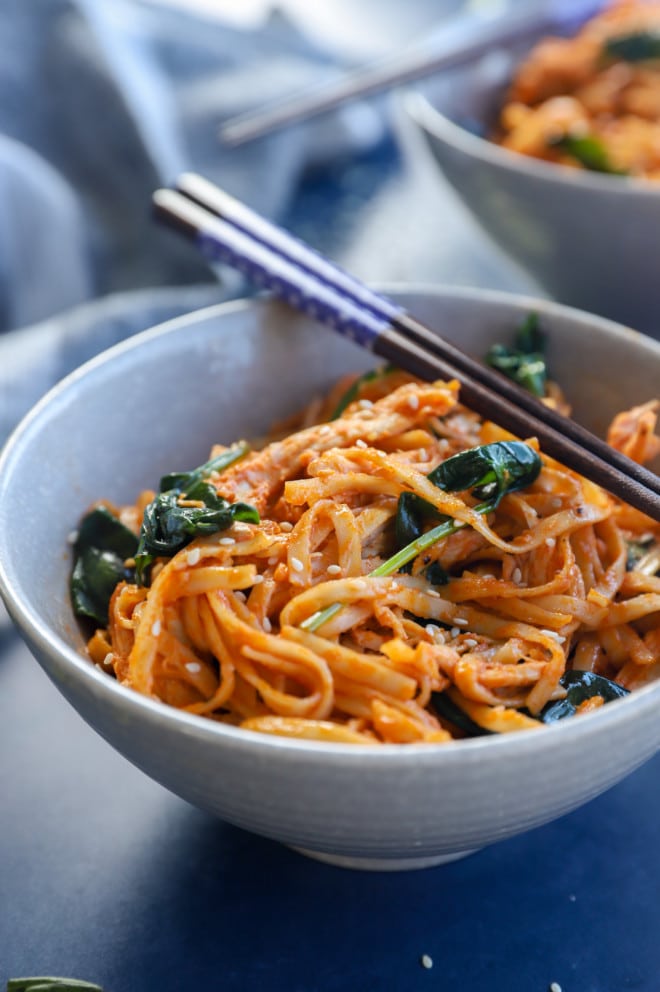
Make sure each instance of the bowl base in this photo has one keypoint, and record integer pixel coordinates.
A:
(383, 864)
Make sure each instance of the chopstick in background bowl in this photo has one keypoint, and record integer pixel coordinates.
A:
(469, 39)
(226, 230)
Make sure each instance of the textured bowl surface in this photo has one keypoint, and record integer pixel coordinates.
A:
(589, 239)
(157, 403)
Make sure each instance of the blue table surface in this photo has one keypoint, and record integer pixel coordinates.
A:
(106, 876)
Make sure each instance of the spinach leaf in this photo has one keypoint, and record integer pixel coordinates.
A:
(589, 151)
(489, 470)
(580, 686)
(186, 507)
(525, 361)
(639, 46)
(101, 548)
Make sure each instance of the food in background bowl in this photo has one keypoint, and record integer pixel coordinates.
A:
(390, 568)
(159, 401)
(591, 101)
(588, 238)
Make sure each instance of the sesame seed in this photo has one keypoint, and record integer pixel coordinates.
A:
(555, 987)
(360, 584)
(488, 575)
(155, 628)
(108, 658)
(242, 528)
(413, 402)
(194, 556)
(193, 666)
(360, 443)
(550, 541)
(257, 579)
(394, 584)
(267, 625)
(422, 454)
(470, 642)
(273, 560)
(455, 631)
(325, 429)
(286, 526)
(461, 621)
(365, 404)
(334, 569)
(427, 962)
(296, 564)
(516, 576)
(227, 541)
(435, 595)
(239, 595)
(72, 537)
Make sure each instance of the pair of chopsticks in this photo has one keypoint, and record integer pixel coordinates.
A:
(226, 230)
(466, 40)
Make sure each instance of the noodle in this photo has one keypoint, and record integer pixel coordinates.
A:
(489, 618)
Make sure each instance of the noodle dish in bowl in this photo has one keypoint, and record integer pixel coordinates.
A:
(363, 599)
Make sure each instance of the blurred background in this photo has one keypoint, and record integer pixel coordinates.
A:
(102, 101)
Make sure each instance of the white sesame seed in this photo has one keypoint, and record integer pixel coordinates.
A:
(108, 658)
(286, 526)
(267, 625)
(360, 584)
(194, 556)
(555, 987)
(193, 666)
(360, 443)
(488, 575)
(413, 402)
(72, 537)
(325, 429)
(334, 569)
(155, 628)
(435, 595)
(470, 642)
(242, 528)
(427, 962)
(273, 560)
(239, 595)
(455, 631)
(516, 576)
(257, 579)
(422, 454)
(394, 584)
(461, 621)
(550, 541)
(365, 404)
(227, 541)
(296, 564)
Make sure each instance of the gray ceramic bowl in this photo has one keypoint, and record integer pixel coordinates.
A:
(590, 240)
(156, 403)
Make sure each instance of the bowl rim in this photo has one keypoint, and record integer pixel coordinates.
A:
(421, 109)
(526, 742)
